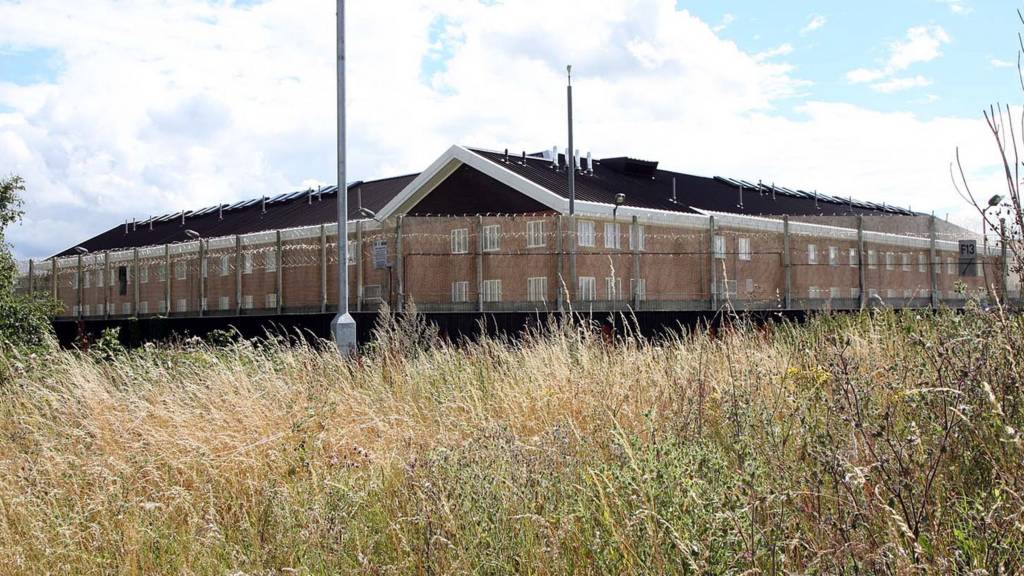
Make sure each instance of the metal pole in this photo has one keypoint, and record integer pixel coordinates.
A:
(359, 266)
(343, 326)
(714, 270)
(81, 281)
(933, 275)
(480, 263)
(135, 281)
(570, 163)
(787, 265)
(400, 263)
(238, 275)
(168, 276)
(323, 268)
(203, 270)
(106, 279)
(31, 278)
(635, 235)
(559, 292)
(861, 259)
(279, 277)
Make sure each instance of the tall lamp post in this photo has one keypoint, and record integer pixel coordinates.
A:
(343, 327)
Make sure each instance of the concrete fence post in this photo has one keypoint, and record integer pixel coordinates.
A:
(787, 266)
(106, 284)
(279, 277)
(168, 278)
(81, 284)
(933, 276)
(480, 263)
(1005, 264)
(53, 277)
(634, 236)
(400, 263)
(203, 271)
(713, 276)
(861, 259)
(238, 275)
(560, 263)
(323, 268)
(31, 278)
(135, 281)
(359, 266)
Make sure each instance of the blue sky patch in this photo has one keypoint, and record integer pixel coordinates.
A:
(26, 67)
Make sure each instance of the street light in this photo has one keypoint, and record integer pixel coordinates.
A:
(620, 199)
(192, 234)
(343, 327)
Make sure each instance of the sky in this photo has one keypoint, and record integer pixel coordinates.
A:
(114, 110)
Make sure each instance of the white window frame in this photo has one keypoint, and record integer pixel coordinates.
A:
(905, 261)
(247, 302)
(88, 282)
(890, 261)
(834, 293)
(223, 303)
(951, 266)
(637, 233)
(144, 307)
(270, 261)
(460, 241)
(181, 305)
(492, 290)
(585, 233)
(271, 300)
(719, 246)
(247, 263)
(537, 289)
(351, 250)
(535, 234)
(162, 307)
(853, 258)
(749, 286)
(86, 310)
(612, 236)
(855, 292)
(743, 249)
(922, 262)
(460, 291)
(586, 288)
(633, 288)
(812, 253)
(833, 256)
(99, 278)
(180, 270)
(492, 238)
(613, 288)
(812, 292)
(872, 259)
(74, 282)
(126, 308)
(225, 265)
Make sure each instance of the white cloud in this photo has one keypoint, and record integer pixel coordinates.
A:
(922, 44)
(163, 106)
(781, 50)
(957, 6)
(727, 19)
(816, 22)
(997, 63)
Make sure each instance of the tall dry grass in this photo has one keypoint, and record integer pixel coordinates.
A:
(854, 444)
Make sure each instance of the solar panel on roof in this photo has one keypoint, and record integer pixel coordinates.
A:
(294, 195)
(248, 203)
(277, 198)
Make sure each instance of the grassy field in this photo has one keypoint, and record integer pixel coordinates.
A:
(855, 444)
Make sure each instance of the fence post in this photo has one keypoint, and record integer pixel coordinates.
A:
(359, 266)
(480, 263)
(323, 268)
(238, 275)
(861, 258)
(559, 289)
(279, 277)
(31, 278)
(634, 236)
(399, 263)
(203, 271)
(787, 266)
(106, 284)
(135, 282)
(932, 271)
(713, 277)
(168, 277)
(81, 282)
(53, 277)
(1004, 265)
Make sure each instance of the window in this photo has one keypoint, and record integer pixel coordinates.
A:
(537, 289)
(908, 293)
(812, 292)
(872, 293)
(202, 304)
(75, 310)
(126, 308)
(271, 261)
(87, 311)
(890, 293)
(585, 233)
(352, 250)
(179, 270)
(225, 265)
(204, 267)
(833, 256)
(749, 286)
(88, 282)
(144, 275)
(492, 290)
(492, 238)
(744, 248)
(163, 306)
(460, 291)
(223, 302)
(612, 239)
(922, 263)
(99, 278)
(587, 288)
(872, 259)
(719, 246)
(950, 266)
(460, 241)
(122, 280)
(272, 300)
(247, 263)
(247, 302)
(143, 307)
(613, 288)
(812, 254)
(853, 258)
(638, 288)
(162, 271)
(854, 292)
(833, 292)
(724, 288)
(535, 234)
(905, 261)
(74, 283)
(113, 277)
(890, 261)
(637, 239)
(182, 305)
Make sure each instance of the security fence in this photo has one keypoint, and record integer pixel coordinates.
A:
(538, 262)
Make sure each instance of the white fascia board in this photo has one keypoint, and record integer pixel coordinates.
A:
(515, 181)
(412, 188)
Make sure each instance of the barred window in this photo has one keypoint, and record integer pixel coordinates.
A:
(587, 288)
(638, 288)
(460, 291)
(743, 247)
(585, 233)
(613, 288)
(833, 256)
(719, 246)
(853, 258)
(535, 234)
(492, 290)
(812, 254)
(637, 239)
(272, 300)
(460, 241)
(537, 289)
(225, 265)
(492, 238)
(271, 261)
(611, 236)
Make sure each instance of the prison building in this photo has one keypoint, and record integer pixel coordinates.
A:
(489, 231)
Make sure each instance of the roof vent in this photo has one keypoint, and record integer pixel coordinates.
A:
(554, 157)
(590, 164)
(631, 166)
(674, 199)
